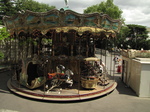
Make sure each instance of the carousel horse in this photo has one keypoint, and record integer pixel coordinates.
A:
(56, 79)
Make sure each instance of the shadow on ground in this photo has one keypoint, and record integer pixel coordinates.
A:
(4, 77)
(122, 88)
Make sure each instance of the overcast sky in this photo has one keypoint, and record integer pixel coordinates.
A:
(134, 11)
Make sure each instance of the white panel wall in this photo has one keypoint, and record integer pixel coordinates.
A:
(135, 72)
(138, 76)
(145, 81)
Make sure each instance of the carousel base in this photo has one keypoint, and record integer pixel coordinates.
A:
(59, 94)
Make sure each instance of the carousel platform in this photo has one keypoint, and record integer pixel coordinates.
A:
(61, 94)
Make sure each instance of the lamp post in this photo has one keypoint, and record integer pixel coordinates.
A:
(135, 34)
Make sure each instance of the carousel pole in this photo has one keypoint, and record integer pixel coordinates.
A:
(10, 58)
(73, 43)
(71, 50)
(101, 49)
(79, 64)
(111, 62)
(19, 57)
(45, 73)
(105, 61)
(93, 45)
(79, 76)
(87, 47)
(114, 62)
(15, 58)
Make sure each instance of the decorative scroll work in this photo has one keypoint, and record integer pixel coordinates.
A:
(29, 21)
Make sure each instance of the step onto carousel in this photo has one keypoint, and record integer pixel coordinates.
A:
(54, 56)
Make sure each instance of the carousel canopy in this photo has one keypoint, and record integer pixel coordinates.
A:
(60, 20)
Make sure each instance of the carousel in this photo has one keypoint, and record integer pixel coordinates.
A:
(55, 54)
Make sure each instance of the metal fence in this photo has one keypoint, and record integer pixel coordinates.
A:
(9, 47)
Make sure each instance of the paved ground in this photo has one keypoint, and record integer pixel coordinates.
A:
(123, 99)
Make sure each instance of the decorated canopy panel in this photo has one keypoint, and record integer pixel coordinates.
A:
(60, 20)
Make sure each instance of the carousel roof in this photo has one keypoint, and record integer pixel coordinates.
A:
(60, 20)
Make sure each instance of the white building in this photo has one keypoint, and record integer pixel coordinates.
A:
(136, 71)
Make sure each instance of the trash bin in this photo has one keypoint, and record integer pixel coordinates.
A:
(119, 69)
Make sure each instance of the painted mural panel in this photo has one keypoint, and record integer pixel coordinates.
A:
(51, 19)
(91, 21)
(115, 26)
(72, 20)
(106, 23)
(33, 20)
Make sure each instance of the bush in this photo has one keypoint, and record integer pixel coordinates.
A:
(1, 55)
(3, 34)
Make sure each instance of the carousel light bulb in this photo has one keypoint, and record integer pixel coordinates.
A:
(80, 33)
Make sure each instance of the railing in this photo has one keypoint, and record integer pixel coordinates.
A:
(10, 50)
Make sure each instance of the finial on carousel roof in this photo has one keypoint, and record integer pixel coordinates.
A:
(66, 2)
(66, 7)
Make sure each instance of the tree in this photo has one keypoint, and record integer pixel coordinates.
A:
(11, 7)
(121, 41)
(105, 7)
(114, 12)
(6, 8)
(133, 37)
(33, 6)
(138, 37)
(3, 34)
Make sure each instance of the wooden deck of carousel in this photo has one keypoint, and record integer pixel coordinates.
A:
(62, 94)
